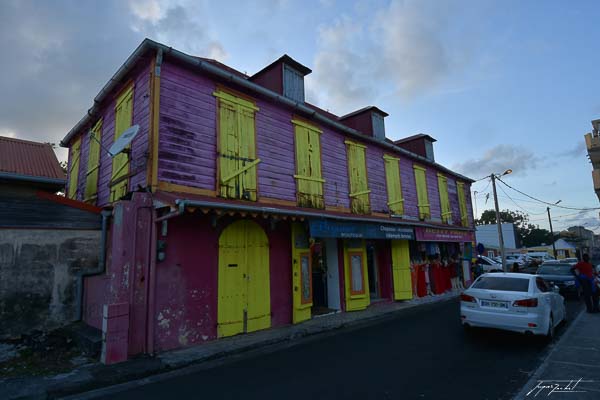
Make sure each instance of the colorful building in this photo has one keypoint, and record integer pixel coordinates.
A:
(239, 206)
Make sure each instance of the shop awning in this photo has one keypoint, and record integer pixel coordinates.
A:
(186, 202)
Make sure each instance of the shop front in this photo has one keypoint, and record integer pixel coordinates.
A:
(440, 260)
(346, 266)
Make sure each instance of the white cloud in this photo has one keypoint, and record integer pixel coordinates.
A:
(180, 25)
(497, 160)
(401, 49)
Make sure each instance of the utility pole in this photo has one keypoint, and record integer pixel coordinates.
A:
(498, 223)
(551, 232)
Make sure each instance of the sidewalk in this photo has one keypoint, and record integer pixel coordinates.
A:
(96, 375)
(572, 367)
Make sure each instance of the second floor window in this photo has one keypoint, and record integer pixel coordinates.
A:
(357, 171)
(309, 182)
(237, 162)
(422, 196)
(444, 201)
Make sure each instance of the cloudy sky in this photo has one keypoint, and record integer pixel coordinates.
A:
(499, 84)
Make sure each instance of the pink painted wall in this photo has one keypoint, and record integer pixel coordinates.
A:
(187, 280)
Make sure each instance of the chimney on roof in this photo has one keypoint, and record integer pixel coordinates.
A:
(368, 120)
(284, 76)
(420, 144)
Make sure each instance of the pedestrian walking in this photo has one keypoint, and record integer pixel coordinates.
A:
(585, 278)
(515, 267)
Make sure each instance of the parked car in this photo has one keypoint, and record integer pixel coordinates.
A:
(516, 258)
(488, 265)
(559, 274)
(571, 260)
(513, 302)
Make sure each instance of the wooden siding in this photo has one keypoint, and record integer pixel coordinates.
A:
(187, 129)
(335, 169)
(376, 177)
(276, 149)
(409, 191)
(434, 194)
(188, 146)
(139, 146)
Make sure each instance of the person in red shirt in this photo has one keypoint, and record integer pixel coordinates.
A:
(584, 273)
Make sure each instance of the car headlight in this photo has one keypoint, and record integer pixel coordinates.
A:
(569, 283)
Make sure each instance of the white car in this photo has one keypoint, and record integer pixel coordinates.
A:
(489, 265)
(514, 302)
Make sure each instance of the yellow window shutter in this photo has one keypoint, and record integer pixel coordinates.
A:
(357, 171)
(93, 165)
(120, 163)
(308, 176)
(237, 147)
(74, 168)
(422, 196)
(462, 202)
(394, 187)
(444, 201)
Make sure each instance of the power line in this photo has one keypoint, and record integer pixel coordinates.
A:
(548, 203)
(515, 203)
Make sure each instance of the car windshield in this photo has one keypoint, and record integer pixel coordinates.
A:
(555, 269)
(508, 284)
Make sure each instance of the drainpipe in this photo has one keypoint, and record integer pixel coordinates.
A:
(106, 213)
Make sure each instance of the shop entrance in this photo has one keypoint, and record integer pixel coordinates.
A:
(373, 272)
(244, 300)
(325, 277)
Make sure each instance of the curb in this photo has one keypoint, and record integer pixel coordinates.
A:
(170, 370)
(522, 394)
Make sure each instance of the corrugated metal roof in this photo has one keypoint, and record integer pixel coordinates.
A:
(34, 159)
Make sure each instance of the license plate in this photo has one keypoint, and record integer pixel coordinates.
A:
(494, 304)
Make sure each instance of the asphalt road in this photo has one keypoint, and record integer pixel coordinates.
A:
(423, 354)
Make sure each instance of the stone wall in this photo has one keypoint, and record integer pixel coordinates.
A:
(38, 276)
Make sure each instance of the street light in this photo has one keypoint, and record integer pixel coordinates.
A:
(551, 231)
(500, 236)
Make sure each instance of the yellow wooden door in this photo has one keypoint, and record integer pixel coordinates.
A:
(244, 300)
(301, 274)
(258, 288)
(401, 270)
(355, 272)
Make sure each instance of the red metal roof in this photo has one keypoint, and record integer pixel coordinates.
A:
(23, 157)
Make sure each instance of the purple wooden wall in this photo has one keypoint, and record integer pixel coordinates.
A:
(188, 146)
(334, 169)
(434, 193)
(275, 147)
(141, 116)
(187, 128)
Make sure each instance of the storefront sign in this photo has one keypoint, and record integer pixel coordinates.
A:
(442, 235)
(358, 230)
